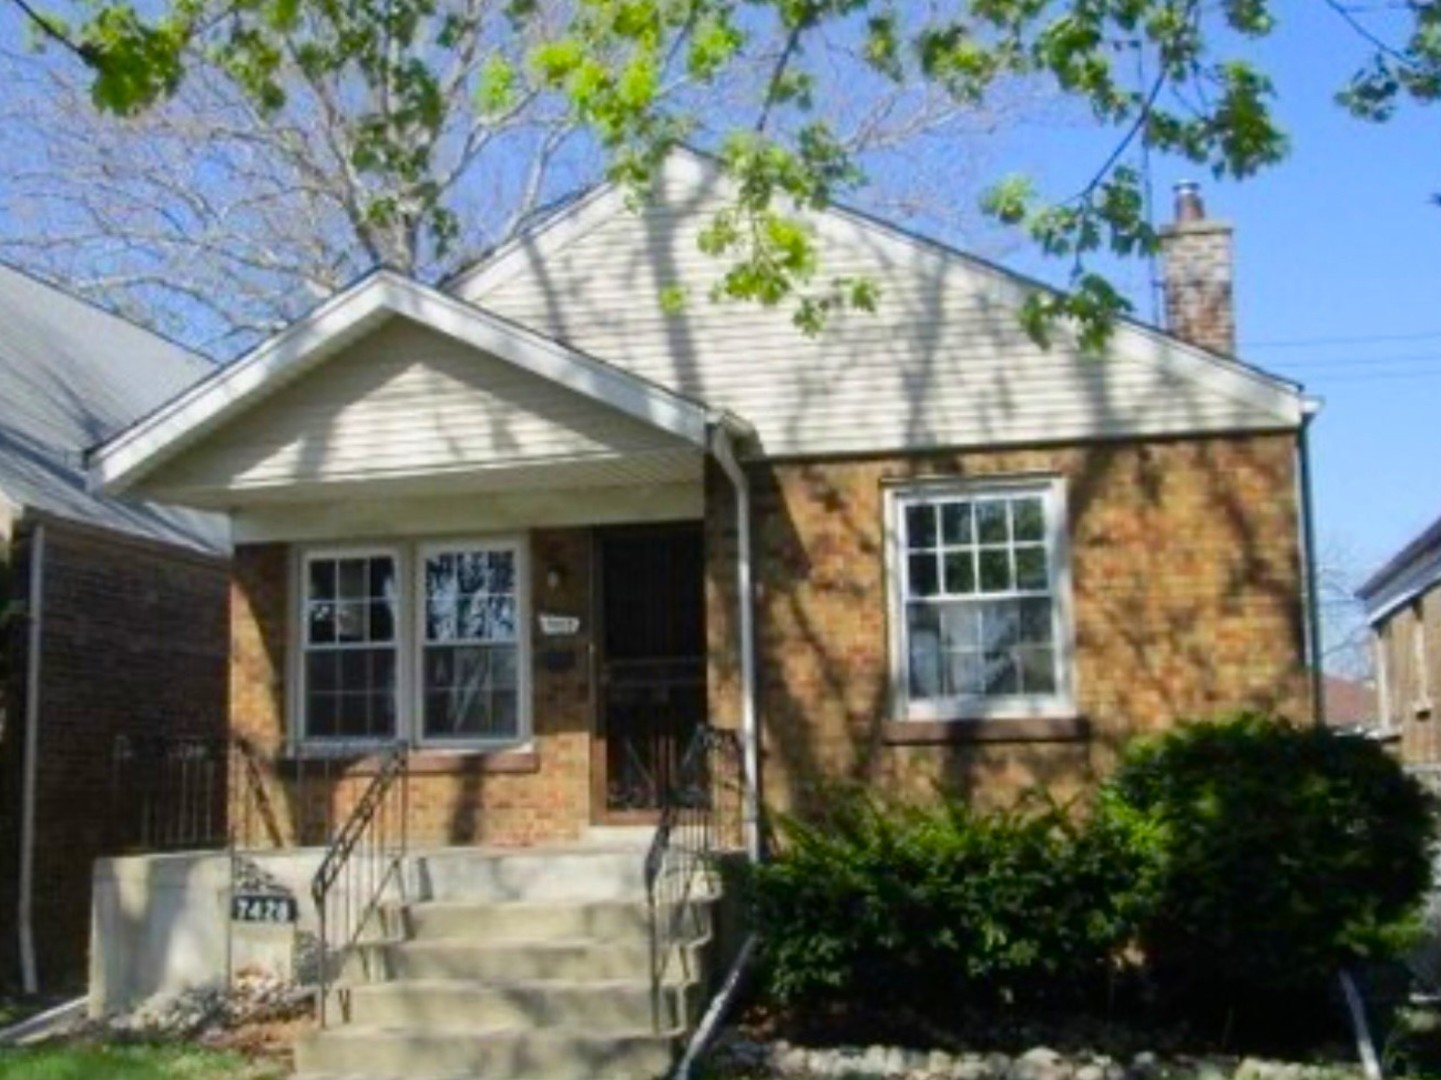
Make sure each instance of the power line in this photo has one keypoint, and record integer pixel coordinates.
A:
(1296, 343)
(1359, 361)
(1358, 376)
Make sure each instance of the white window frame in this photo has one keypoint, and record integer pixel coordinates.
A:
(1062, 703)
(409, 643)
(521, 550)
(300, 607)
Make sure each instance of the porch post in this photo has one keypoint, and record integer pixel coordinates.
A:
(725, 456)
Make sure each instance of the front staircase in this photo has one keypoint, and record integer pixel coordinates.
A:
(533, 965)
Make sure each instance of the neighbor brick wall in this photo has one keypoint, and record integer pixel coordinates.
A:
(504, 798)
(133, 642)
(1406, 711)
(1187, 594)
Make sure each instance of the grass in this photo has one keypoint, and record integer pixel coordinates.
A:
(71, 1061)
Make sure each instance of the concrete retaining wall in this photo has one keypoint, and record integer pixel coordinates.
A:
(160, 923)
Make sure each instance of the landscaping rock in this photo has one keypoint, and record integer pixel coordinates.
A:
(734, 1054)
(1040, 1063)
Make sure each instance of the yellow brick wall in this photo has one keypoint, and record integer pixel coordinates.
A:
(1187, 603)
(503, 799)
(1187, 591)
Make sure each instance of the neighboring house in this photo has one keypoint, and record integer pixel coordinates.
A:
(1350, 704)
(1403, 606)
(118, 610)
(514, 521)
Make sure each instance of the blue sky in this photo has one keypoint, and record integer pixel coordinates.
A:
(1341, 242)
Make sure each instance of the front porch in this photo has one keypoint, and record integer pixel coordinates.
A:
(562, 705)
(592, 957)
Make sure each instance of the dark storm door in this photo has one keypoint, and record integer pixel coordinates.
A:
(652, 664)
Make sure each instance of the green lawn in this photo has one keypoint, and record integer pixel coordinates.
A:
(134, 1062)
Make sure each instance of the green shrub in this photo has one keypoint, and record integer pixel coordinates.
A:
(941, 909)
(1272, 856)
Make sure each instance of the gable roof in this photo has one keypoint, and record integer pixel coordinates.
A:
(343, 319)
(72, 373)
(1412, 571)
(943, 357)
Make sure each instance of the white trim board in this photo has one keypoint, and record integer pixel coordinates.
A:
(384, 519)
(134, 453)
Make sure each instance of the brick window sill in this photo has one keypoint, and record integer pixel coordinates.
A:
(990, 730)
(425, 763)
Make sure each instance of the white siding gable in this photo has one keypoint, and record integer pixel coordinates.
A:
(943, 362)
(405, 402)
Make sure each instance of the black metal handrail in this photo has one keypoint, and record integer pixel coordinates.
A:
(183, 792)
(702, 818)
(360, 862)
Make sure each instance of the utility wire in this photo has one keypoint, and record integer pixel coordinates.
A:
(1366, 339)
(1376, 376)
(1359, 361)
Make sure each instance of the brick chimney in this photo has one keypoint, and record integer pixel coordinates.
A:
(1197, 274)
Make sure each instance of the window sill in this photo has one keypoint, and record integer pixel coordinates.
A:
(431, 762)
(986, 730)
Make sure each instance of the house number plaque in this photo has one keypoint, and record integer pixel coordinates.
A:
(265, 908)
(560, 625)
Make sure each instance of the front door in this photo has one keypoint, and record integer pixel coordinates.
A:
(652, 664)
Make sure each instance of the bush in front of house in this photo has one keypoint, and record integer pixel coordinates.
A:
(1272, 856)
(940, 909)
(1231, 867)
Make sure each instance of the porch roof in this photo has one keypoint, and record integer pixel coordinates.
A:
(455, 396)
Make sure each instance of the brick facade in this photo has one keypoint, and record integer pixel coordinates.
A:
(1187, 603)
(133, 642)
(1413, 683)
(504, 799)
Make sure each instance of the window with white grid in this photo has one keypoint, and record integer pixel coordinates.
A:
(979, 588)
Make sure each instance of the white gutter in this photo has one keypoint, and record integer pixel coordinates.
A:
(30, 983)
(725, 456)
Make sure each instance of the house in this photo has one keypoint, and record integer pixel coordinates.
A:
(540, 526)
(1350, 704)
(510, 551)
(1403, 607)
(115, 613)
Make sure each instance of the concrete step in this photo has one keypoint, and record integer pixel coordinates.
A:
(594, 1006)
(496, 1054)
(606, 920)
(586, 874)
(522, 961)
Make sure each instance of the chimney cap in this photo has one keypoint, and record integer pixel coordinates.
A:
(1189, 204)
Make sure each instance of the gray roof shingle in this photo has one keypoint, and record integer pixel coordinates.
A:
(72, 374)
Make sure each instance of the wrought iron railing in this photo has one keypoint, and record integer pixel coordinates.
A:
(177, 792)
(702, 819)
(363, 860)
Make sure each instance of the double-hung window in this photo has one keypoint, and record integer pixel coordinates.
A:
(419, 641)
(350, 645)
(979, 583)
(470, 643)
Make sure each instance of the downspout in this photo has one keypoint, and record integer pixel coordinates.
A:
(29, 980)
(1308, 533)
(725, 456)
